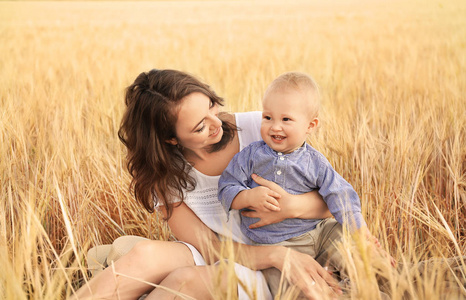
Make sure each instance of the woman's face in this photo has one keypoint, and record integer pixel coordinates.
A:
(198, 125)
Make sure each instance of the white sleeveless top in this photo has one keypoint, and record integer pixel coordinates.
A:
(203, 201)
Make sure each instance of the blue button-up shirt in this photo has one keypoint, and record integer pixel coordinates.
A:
(301, 171)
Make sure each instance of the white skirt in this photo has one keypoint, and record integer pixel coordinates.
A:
(252, 280)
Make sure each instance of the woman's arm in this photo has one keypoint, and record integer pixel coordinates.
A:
(305, 206)
(187, 227)
(302, 269)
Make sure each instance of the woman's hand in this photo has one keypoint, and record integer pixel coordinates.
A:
(306, 273)
(305, 206)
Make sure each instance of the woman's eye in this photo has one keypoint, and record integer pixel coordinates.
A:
(212, 104)
(201, 129)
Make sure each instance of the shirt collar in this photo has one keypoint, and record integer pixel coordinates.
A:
(294, 153)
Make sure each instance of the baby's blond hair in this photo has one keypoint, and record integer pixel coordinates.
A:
(302, 83)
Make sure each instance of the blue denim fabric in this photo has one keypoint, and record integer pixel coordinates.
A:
(298, 172)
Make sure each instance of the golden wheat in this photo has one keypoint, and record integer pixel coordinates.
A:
(394, 120)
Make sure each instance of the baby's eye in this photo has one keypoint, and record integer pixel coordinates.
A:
(286, 119)
(267, 118)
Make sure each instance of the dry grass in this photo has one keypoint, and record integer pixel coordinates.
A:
(394, 121)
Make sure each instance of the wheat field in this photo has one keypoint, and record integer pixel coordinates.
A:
(393, 80)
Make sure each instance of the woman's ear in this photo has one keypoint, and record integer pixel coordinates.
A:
(172, 141)
(313, 125)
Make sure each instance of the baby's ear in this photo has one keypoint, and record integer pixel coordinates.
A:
(172, 141)
(313, 125)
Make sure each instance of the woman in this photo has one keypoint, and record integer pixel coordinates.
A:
(178, 144)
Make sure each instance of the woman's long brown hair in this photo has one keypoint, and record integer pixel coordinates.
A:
(158, 169)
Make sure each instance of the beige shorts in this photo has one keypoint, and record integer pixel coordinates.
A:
(318, 243)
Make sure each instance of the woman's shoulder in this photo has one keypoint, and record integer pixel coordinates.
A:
(249, 124)
(246, 118)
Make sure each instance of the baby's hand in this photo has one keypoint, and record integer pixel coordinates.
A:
(385, 255)
(379, 248)
(262, 198)
(373, 239)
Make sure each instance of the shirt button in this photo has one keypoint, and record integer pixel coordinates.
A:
(279, 153)
(279, 172)
(282, 158)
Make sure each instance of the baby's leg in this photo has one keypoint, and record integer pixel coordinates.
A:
(305, 243)
(329, 232)
(327, 254)
(149, 261)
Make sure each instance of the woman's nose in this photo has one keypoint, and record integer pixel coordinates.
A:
(218, 122)
(215, 121)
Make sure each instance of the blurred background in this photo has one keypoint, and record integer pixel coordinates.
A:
(392, 76)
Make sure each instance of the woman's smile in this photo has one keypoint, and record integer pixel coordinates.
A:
(216, 132)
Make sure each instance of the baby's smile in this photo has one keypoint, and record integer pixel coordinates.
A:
(278, 137)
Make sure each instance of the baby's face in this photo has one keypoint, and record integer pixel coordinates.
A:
(286, 120)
